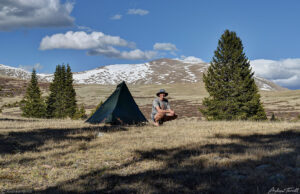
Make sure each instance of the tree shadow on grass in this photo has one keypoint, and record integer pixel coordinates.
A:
(184, 169)
(20, 142)
(17, 120)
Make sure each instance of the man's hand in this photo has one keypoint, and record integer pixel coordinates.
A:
(171, 112)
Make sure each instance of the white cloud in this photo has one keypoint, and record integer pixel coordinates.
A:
(285, 72)
(97, 43)
(164, 46)
(138, 54)
(85, 28)
(34, 13)
(190, 59)
(116, 17)
(112, 52)
(82, 40)
(37, 66)
(137, 12)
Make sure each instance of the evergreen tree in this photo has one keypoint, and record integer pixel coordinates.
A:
(229, 81)
(273, 118)
(32, 104)
(62, 99)
(70, 93)
(51, 101)
(80, 113)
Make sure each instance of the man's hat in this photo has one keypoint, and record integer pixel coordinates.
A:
(162, 91)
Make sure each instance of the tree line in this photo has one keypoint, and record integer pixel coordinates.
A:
(60, 103)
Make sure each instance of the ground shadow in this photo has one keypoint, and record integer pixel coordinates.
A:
(184, 171)
(20, 142)
(17, 120)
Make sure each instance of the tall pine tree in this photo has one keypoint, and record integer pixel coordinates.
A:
(70, 93)
(61, 102)
(32, 104)
(233, 94)
(51, 100)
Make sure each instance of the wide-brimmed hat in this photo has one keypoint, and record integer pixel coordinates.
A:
(162, 91)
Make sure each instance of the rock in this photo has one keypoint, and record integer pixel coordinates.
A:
(217, 158)
(99, 134)
(46, 166)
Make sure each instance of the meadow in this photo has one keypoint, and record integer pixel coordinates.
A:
(188, 155)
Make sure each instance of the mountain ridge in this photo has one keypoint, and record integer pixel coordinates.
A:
(160, 71)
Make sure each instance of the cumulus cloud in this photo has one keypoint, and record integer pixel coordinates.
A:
(34, 13)
(137, 12)
(112, 52)
(97, 43)
(36, 66)
(190, 59)
(164, 46)
(82, 40)
(85, 28)
(116, 17)
(285, 72)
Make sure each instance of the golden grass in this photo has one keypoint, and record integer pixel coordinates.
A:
(181, 156)
(285, 104)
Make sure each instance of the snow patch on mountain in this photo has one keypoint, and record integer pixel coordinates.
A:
(113, 74)
(161, 71)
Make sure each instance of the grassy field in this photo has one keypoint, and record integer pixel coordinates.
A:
(188, 155)
(179, 157)
(184, 98)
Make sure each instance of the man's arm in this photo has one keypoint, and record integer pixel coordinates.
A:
(159, 110)
(171, 112)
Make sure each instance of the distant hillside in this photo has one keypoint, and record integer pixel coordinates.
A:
(161, 71)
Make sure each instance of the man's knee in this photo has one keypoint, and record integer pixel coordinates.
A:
(171, 114)
(169, 118)
(158, 116)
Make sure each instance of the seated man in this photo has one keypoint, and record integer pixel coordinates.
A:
(161, 110)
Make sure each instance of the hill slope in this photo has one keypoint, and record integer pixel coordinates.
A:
(161, 71)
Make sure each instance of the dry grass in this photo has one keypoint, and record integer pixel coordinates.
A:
(183, 156)
(285, 104)
(179, 157)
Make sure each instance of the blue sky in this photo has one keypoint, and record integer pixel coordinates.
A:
(88, 34)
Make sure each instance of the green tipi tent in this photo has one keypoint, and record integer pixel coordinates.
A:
(119, 108)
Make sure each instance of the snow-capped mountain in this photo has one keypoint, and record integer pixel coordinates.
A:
(14, 72)
(161, 71)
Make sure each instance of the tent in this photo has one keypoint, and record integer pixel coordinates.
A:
(119, 108)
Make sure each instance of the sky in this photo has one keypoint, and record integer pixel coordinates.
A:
(89, 34)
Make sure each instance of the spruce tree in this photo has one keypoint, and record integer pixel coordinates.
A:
(233, 94)
(80, 113)
(32, 104)
(60, 99)
(56, 99)
(51, 101)
(70, 93)
(61, 102)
